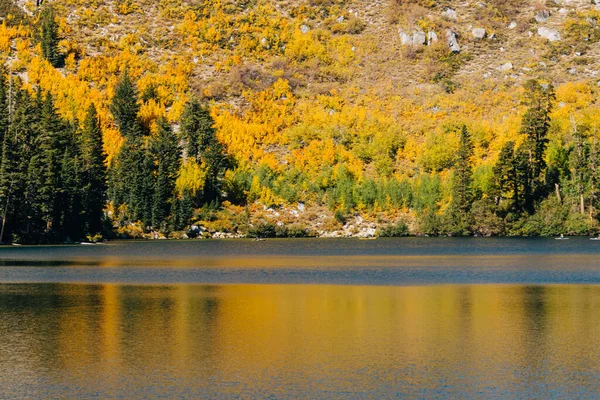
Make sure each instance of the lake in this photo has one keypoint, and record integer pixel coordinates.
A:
(401, 318)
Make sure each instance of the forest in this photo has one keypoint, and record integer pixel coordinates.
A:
(119, 146)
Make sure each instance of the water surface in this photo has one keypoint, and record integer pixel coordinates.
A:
(410, 261)
(408, 318)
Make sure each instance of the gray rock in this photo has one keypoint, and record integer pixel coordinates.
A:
(506, 67)
(479, 33)
(431, 38)
(542, 16)
(304, 28)
(452, 41)
(340, 19)
(512, 25)
(450, 14)
(419, 38)
(405, 38)
(552, 35)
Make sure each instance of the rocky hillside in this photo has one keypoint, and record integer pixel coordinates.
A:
(355, 106)
(396, 41)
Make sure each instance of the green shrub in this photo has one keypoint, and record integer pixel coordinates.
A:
(399, 229)
(263, 230)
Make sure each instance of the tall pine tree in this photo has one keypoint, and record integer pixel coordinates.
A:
(94, 173)
(70, 200)
(16, 153)
(53, 140)
(506, 177)
(49, 37)
(168, 154)
(534, 126)
(4, 111)
(462, 192)
(579, 161)
(199, 135)
(124, 106)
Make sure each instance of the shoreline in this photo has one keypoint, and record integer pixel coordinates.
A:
(307, 238)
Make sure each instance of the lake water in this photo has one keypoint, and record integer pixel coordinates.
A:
(397, 318)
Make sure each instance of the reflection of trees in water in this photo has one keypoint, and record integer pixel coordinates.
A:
(196, 334)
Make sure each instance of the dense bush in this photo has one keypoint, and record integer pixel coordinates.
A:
(398, 229)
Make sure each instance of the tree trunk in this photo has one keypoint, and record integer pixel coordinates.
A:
(581, 205)
(558, 197)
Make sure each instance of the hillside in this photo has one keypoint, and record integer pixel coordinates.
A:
(354, 108)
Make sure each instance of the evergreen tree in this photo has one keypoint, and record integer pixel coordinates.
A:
(216, 164)
(17, 150)
(72, 220)
(4, 117)
(144, 189)
(506, 176)
(195, 119)
(534, 126)
(168, 154)
(132, 178)
(94, 173)
(524, 181)
(125, 108)
(462, 193)
(52, 136)
(129, 177)
(594, 176)
(183, 210)
(49, 37)
(41, 173)
(199, 135)
(579, 163)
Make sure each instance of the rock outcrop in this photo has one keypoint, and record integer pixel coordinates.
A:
(552, 35)
(479, 33)
(452, 38)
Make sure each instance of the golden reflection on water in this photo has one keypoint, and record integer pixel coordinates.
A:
(524, 261)
(299, 341)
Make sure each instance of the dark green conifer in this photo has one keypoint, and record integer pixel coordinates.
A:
(594, 165)
(94, 173)
(462, 192)
(53, 141)
(168, 156)
(183, 210)
(124, 106)
(506, 177)
(579, 160)
(18, 149)
(198, 132)
(49, 37)
(72, 222)
(535, 125)
(4, 118)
